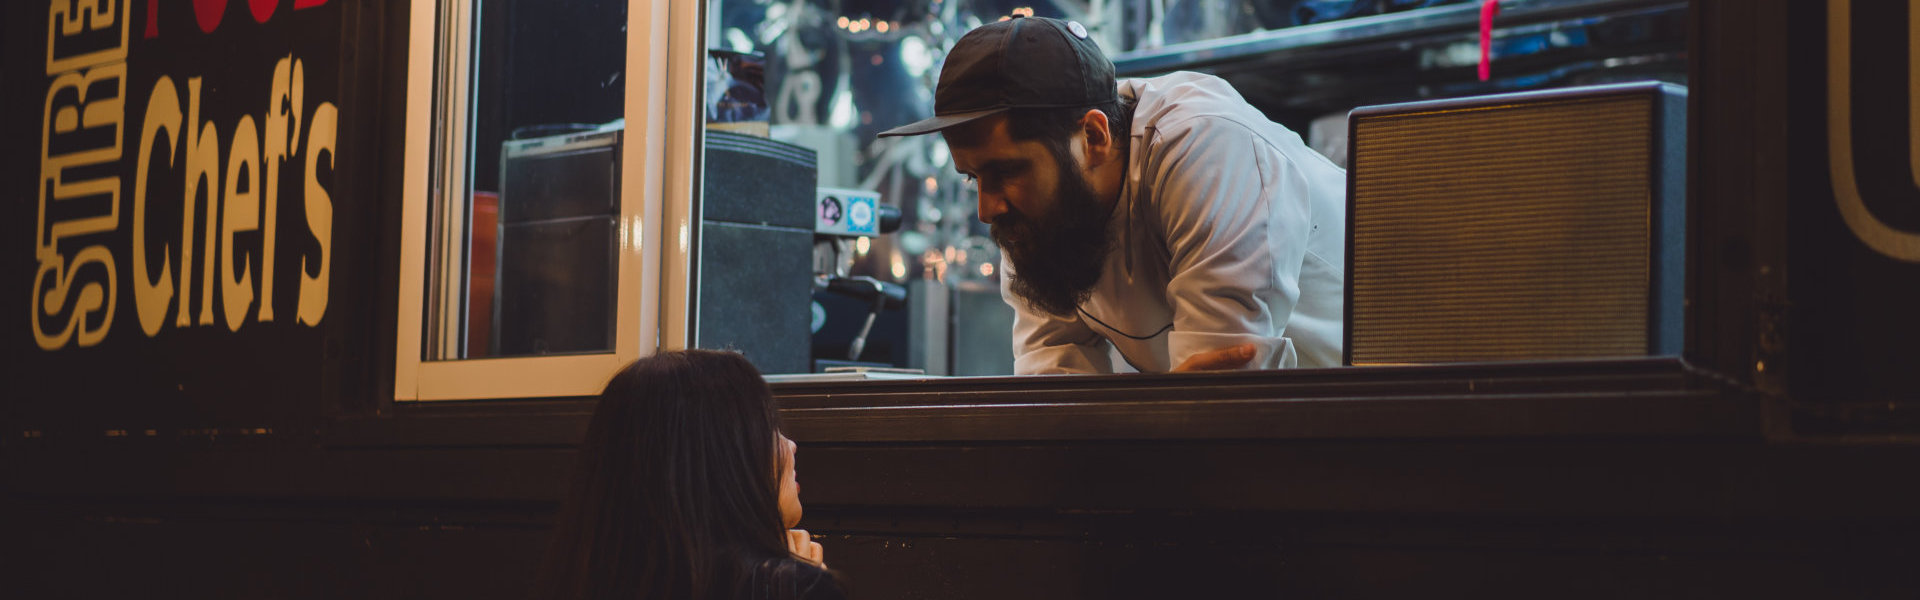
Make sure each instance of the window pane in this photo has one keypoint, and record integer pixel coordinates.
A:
(533, 181)
(802, 267)
(815, 80)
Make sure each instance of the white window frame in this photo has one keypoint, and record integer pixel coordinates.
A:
(663, 79)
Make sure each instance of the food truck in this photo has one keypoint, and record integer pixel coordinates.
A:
(321, 292)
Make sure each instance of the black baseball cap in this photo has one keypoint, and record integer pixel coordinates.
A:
(1022, 62)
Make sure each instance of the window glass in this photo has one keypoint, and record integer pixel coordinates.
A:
(787, 270)
(871, 256)
(526, 178)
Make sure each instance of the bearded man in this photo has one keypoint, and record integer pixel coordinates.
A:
(1164, 220)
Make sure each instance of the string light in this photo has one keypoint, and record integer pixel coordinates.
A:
(934, 263)
(853, 26)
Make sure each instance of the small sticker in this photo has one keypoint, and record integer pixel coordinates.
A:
(830, 210)
(1078, 30)
(860, 216)
(846, 212)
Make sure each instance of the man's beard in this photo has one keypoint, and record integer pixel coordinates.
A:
(1057, 256)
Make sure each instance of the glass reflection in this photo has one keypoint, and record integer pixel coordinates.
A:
(528, 143)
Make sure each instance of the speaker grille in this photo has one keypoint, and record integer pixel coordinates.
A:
(1502, 232)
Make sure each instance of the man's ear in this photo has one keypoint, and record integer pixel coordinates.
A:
(1100, 148)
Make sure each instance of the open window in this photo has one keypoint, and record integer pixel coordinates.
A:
(798, 88)
(591, 180)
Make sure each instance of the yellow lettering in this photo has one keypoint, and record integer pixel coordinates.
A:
(242, 214)
(86, 51)
(203, 162)
(99, 112)
(282, 133)
(76, 106)
(68, 48)
(150, 297)
(90, 13)
(320, 138)
(43, 303)
(90, 294)
(94, 298)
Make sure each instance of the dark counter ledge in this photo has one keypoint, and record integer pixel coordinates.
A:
(1625, 397)
(1630, 397)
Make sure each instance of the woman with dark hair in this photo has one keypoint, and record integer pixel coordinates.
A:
(685, 489)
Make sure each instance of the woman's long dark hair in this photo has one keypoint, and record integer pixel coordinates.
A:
(676, 494)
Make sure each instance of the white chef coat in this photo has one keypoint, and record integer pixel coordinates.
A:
(1228, 230)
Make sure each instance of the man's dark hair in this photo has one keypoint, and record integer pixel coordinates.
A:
(1054, 126)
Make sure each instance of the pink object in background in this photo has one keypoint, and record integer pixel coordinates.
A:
(485, 233)
(1488, 10)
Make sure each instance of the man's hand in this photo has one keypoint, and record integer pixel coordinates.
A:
(804, 548)
(1224, 359)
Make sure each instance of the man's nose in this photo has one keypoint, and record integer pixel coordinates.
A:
(991, 205)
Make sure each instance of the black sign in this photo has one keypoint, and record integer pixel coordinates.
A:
(178, 204)
(1854, 233)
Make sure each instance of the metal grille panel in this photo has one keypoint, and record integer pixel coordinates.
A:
(1503, 232)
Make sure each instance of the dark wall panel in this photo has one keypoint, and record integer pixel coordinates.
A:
(261, 550)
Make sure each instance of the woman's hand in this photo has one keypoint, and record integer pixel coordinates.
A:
(804, 548)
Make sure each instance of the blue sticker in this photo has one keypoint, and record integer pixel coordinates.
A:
(860, 215)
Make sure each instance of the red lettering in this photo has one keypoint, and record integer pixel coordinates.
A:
(153, 19)
(262, 9)
(208, 13)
